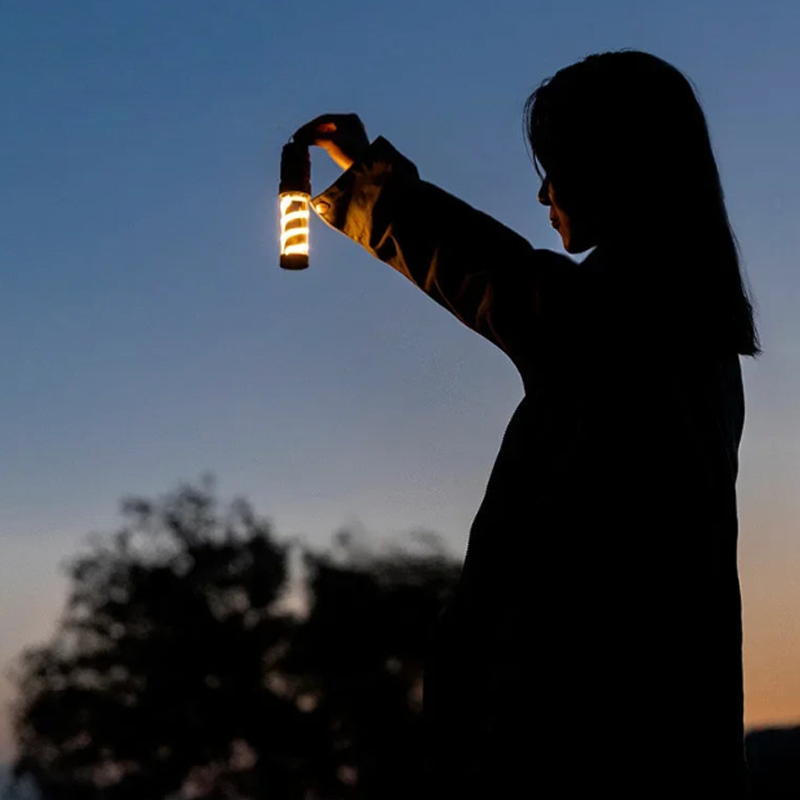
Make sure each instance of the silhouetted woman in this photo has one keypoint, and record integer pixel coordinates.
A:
(593, 645)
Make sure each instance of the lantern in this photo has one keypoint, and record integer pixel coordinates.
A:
(295, 201)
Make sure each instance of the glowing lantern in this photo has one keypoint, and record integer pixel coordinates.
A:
(295, 201)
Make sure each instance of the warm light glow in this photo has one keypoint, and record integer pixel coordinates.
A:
(295, 214)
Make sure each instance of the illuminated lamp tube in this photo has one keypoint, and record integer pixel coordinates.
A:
(294, 195)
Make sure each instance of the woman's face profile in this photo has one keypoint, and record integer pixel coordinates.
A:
(575, 232)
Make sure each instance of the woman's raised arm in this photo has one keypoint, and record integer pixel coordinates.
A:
(489, 277)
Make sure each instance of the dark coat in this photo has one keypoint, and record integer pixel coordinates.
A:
(594, 641)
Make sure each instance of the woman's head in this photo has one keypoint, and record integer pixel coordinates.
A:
(622, 146)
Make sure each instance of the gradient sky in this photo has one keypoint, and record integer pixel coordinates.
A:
(147, 334)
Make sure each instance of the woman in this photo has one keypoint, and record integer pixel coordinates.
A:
(594, 641)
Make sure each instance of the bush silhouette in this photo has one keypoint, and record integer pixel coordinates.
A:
(178, 670)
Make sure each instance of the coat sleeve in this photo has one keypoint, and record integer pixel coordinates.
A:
(489, 277)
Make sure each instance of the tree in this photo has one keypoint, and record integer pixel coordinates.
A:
(358, 662)
(773, 757)
(176, 671)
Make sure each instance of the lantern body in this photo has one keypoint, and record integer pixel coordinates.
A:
(294, 229)
(295, 205)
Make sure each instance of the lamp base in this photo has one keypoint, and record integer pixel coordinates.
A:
(294, 261)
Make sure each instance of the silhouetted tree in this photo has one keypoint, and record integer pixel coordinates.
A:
(22, 789)
(773, 757)
(358, 662)
(176, 671)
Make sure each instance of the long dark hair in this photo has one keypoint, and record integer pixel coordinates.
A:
(625, 143)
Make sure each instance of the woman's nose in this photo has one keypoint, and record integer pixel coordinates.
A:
(544, 192)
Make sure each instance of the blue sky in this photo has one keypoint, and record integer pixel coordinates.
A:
(147, 334)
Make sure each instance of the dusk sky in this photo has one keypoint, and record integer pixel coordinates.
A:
(147, 334)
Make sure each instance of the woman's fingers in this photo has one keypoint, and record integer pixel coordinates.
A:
(318, 129)
(343, 136)
(331, 126)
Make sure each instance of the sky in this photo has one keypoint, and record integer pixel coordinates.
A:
(147, 334)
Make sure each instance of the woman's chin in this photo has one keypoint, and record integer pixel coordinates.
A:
(574, 245)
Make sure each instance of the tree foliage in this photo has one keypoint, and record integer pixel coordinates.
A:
(178, 670)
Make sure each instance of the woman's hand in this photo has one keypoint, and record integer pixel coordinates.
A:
(342, 135)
